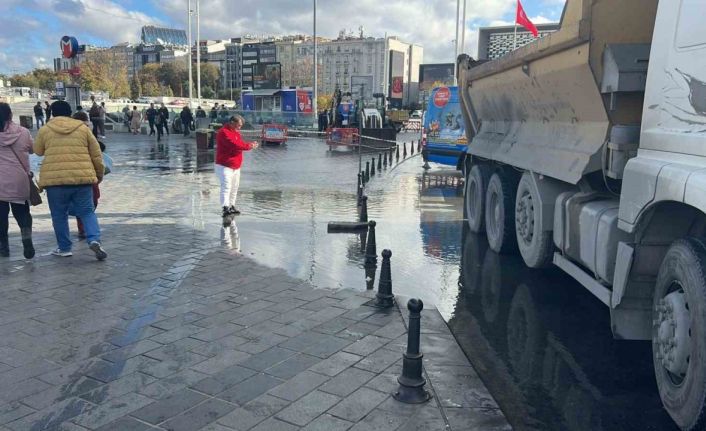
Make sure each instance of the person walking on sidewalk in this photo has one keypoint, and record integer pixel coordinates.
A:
(186, 119)
(94, 116)
(165, 114)
(15, 148)
(229, 158)
(159, 123)
(135, 120)
(72, 164)
(47, 110)
(39, 114)
(101, 120)
(151, 115)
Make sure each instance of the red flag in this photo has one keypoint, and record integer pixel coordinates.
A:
(522, 19)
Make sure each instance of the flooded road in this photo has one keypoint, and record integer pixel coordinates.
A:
(539, 341)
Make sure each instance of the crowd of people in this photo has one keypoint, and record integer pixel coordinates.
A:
(73, 167)
(70, 173)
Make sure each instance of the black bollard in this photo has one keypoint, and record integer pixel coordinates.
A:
(372, 168)
(370, 277)
(367, 171)
(371, 256)
(384, 298)
(404, 150)
(379, 161)
(363, 209)
(360, 188)
(411, 148)
(411, 389)
(419, 145)
(397, 153)
(385, 155)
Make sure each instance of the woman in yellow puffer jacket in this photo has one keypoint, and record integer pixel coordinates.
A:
(72, 164)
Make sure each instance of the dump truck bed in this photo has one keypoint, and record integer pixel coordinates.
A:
(540, 108)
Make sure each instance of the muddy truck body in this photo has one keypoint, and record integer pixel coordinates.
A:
(587, 150)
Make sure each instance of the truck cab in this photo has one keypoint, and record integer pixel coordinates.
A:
(588, 151)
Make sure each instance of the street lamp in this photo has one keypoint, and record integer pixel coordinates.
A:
(316, 71)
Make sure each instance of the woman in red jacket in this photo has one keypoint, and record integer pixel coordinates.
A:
(229, 158)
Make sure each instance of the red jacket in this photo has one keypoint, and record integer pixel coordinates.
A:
(230, 147)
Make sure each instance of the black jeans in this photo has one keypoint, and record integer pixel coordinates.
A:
(160, 130)
(151, 127)
(19, 211)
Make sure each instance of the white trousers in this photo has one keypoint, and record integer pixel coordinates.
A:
(230, 181)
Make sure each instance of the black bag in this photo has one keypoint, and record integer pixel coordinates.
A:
(34, 197)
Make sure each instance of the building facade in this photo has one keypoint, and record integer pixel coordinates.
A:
(494, 42)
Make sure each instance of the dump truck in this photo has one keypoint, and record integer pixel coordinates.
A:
(587, 150)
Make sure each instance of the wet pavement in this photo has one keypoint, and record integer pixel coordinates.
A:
(540, 344)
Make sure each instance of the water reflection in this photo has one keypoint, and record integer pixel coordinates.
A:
(229, 234)
(543, 347)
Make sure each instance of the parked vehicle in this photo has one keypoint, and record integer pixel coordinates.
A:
(582, 156)
(444, 133)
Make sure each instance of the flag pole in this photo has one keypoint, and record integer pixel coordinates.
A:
(514, 39)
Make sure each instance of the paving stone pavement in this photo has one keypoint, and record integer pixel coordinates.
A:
(175, 331)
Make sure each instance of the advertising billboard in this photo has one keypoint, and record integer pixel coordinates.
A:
(267, 76)
(304, 103)
(289, 101)
(396, 78)
(247, 101)
(435, 75)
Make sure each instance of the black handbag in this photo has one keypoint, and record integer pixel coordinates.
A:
(34, 197)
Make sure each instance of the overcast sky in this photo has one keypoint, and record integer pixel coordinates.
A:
(30, 29)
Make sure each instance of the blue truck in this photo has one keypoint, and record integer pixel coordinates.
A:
(444, 133)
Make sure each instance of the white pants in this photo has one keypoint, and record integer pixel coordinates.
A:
(230, 181)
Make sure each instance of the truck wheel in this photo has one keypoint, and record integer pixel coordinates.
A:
(679, 333)
(535, 244)
(500, 214)
(476, 185)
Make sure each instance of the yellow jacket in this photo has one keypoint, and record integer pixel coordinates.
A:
(71, 154)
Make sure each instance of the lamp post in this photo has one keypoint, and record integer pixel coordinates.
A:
(198, 51)
(316, 72)
(191, 79)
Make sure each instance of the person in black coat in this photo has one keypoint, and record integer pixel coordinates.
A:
(151, 114)
(47, 110)
(164, 112)
(39, 114)
(186, 119)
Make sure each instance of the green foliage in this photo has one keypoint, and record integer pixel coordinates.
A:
(135, 88)
(210, 76)
(207, 92)
(225, 94)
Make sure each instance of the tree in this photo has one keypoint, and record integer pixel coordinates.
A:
(207, 92)
(135, 88)
(323, 101)
(210, 76)
(102, 71)
(226, 94)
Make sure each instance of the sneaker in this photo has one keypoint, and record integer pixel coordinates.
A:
(226, 211)
(233, 210)
(98, 250)
(61, 253)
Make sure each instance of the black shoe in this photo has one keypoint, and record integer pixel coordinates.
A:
(226, 211)
(233, 210)
(27, 243)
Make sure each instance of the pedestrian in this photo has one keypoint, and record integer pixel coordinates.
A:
(214, 112)
(186, 119)
(165, 114)
(200, 113)
(15, 148)
(126, 116)
(135, 120)
(151, 114)
(72, 164)
(94, 116)
(82, 116)
(159, 122)
(229, 158)
(47, 110)
(39, 114)
(96, 195)
(101, 120)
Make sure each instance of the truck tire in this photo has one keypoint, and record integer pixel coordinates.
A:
(535, 244)
(500, 212)
(679, 333)
(476, 185)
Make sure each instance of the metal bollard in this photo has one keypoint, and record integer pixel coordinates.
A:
(411, 389)
(379, 161)
(411, 148)
(419, 145)
(397, 153)
(404, 150)
(384, 298)
(360, 188)
(367, 171)
(363, 209)
(385, 155)
(371, 256)
(372, 168)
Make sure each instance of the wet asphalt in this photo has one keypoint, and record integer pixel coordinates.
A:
(539, 341)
